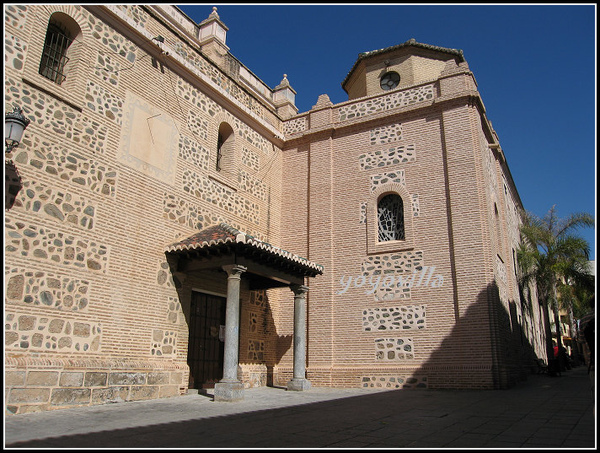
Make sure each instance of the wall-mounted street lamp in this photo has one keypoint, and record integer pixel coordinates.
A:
(14, 126)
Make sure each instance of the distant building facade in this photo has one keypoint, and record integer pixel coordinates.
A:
(171, 222)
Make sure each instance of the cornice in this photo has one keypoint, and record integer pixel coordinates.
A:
(169, 57)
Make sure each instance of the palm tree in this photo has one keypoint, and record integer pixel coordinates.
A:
(550, 255)
(577, 297)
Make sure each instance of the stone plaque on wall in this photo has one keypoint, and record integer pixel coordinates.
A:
(149, 139)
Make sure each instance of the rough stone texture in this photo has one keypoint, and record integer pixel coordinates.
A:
(70, 397)
(394, 382)
(74, 379)
(28, 395)
(299, 385)
(119, 161)
(387, 157)
(409, 317)
(42, 378)
(228, 392)
(56, 333)
(385, 103)
(109, 395)
(95, 379)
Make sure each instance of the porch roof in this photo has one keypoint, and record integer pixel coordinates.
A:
(222, 238)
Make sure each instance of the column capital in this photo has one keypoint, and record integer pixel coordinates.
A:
(299, 289)
(234, 269)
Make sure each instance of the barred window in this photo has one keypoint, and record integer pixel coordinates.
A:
(390, 214)
(54, 55)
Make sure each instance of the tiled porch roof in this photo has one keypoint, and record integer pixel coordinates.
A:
(221, 234)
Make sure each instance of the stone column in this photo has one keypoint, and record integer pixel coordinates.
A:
(299, 381)
(230, 388)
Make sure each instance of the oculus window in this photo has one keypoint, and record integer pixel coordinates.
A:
(389, 80)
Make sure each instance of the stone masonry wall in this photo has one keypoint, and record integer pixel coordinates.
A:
(115, 165)
(56, 384)
(120, 161)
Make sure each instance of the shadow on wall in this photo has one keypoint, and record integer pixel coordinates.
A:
(523, 417)
(487, 348)
(262, 347)
(12, 184)
(275, 347)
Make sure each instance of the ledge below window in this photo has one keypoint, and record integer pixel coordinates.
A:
(377, 248)
(223, 181)
(55, 91)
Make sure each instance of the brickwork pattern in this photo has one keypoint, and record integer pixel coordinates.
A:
(88, 220)
(460, 294)
(95, 312)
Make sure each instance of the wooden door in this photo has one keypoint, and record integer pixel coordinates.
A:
(206, 342)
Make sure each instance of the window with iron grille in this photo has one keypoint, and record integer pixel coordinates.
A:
(390, 213)
(54, 55)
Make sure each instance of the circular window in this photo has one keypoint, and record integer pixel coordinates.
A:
(389, 80)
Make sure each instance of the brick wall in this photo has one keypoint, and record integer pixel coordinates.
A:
(433, 155)
(120, 161)
(116, 164)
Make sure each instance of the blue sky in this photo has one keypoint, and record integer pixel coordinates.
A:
(535, 66)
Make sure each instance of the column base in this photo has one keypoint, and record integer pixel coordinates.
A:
(298, 385)
(229, 391)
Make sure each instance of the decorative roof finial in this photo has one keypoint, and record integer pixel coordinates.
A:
(214, 13)
(284, 82)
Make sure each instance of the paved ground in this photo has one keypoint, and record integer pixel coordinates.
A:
(542, 412)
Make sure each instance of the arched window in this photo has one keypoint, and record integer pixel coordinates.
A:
(61, 32)
(390, 216)
(224, 147)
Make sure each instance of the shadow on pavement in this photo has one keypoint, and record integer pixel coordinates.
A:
(542, 412)
(524, 410)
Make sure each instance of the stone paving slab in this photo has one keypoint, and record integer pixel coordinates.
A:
(542, 412)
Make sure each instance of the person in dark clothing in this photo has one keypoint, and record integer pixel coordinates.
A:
(589, 333)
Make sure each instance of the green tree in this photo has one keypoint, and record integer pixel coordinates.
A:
(551, 255)
(576, 296)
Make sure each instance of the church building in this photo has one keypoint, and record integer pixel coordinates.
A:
(172, 223)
